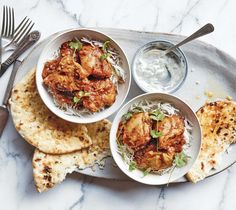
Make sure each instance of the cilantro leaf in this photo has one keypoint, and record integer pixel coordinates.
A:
(105, 45)
(155, 134)
(104, 56)
(146, 172)
(75, 45)
(127, 116)
(76, 99)
(82, 93)
(105, 49)
(137, 109)
(157, 115)
(181, 159)
(132, 166)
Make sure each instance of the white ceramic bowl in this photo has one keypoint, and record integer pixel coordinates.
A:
(183, 69)
(48, 53)
(193, 150)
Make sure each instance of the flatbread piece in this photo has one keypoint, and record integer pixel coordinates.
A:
(39, 126)
(218, 124)
(49, 170)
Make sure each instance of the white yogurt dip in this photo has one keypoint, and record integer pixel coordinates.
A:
(155, 73)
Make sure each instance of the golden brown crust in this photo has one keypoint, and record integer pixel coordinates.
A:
(39, 126)
(136, 131)
(218, 124)
(49, 170)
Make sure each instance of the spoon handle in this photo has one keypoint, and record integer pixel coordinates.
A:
(206, 29)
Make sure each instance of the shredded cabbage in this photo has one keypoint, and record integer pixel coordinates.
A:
(168, 110)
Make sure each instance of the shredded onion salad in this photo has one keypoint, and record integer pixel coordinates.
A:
(162, 151)
(118, 74)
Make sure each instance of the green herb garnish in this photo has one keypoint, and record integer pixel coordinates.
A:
(132, 166)
(181, 159)
(127, 116)
(75, 45)
(105, 45)
(104, 56)
(157, 115)
(155, 134)
(76, 99)
(130, 113)
(82, 93)
(137, 109)
(146, 172)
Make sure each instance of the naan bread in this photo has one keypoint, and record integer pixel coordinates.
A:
(49, 170)
(218, 123)
(39, 126)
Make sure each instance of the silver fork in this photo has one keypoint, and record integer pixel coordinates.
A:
(8, 23)
(21, 31)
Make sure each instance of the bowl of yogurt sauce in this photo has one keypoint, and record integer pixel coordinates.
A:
(154, 72)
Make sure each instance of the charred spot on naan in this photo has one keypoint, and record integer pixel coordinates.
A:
(218, 123)
(39, 126)
(50, 170)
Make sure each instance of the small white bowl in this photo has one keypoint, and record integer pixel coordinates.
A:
(193, 150)
(171, 86)
(48, 53)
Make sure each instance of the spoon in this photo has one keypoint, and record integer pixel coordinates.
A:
(206, 29)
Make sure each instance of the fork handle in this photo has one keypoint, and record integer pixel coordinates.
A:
(25, 44)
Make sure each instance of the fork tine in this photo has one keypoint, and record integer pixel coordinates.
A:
(9, 21)
(3, 21)
(25, 31)
(13, 22)
(20, 28)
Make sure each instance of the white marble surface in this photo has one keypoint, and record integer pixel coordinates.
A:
(17, 190)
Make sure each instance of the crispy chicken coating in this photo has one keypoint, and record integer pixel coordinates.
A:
(136, 131)
(155, 160)
(64, 83)
(63, 97)
(80, 78)
(50, 67)
(68, 65)
(91, 60)
(172, 128)
(102, 93)
(65, 50)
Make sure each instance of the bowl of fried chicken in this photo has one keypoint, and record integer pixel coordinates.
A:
(155, 138)
(83, 76)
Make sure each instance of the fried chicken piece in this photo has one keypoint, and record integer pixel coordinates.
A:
(150, 158)
(64, 83)
(172, 128)
(63, 97)
(65, 50)
(68, 65)
(136, 131)
(50, 67)
(93, 103)
(102, 93)
(90, 57)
